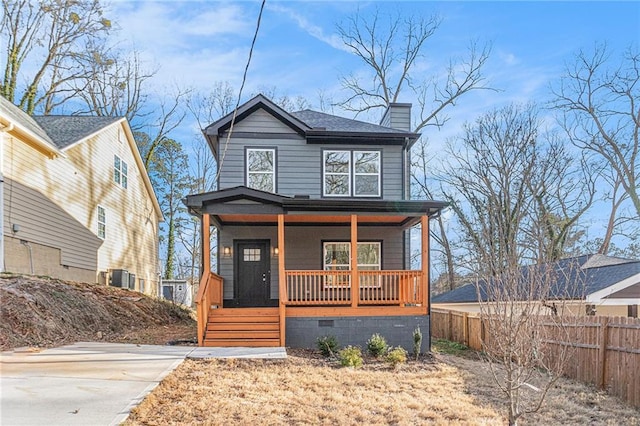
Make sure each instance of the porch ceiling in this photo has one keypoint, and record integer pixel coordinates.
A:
(302, 219)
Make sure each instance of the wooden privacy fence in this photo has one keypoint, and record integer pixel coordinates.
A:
(606, 350)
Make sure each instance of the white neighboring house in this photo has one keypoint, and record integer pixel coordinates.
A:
(76, 200)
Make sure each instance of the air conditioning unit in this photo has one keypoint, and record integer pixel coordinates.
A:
(119, 278)
(132, 281)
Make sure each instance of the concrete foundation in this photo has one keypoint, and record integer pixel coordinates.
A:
(397, 330)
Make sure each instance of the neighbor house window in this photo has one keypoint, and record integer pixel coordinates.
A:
(120, 171)
(351, 174)
(337, 257)
(261, 170)
(102, 222)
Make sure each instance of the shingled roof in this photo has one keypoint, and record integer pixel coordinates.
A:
(577, 277)
(17, 115)
(334, 123)
(65, 130)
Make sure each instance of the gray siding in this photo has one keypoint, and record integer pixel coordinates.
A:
(299, 165)
(397, 116)
(397, 330)
(304, 247)
(44, 222)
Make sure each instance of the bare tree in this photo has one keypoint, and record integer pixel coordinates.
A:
(600, 106)
(169, 114)
(206, 108)
(113, 85)
(390, 50)
(47, 36)
(511, 189)
(285, 101)
(390, 47)
(524, 312)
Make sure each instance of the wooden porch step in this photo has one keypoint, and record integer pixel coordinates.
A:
(220, 343)
(243, 327)
(228, 326)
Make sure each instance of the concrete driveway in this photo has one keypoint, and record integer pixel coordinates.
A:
(81, 384)
(92, 383)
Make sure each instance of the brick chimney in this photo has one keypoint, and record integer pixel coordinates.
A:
(397, 116)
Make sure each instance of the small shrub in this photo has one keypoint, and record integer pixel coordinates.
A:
(327, 345)
(351, 356)
(377, 345)
(396, 356)
(417, 342)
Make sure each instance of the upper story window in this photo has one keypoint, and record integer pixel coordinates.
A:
(102, 222)
(120, 171)
(261, 169)
(351, 174)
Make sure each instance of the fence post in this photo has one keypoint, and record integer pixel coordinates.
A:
(465, 328)
(602, 352)
(449, 326)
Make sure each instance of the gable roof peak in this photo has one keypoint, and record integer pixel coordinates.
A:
(66, 130)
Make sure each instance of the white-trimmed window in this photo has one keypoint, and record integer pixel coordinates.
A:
(351, 173)
(120, 171)
(337, 257)
(102, 222)
(261, 169)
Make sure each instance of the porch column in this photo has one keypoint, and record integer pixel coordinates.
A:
(355, 282)
(206, 245)
(425, 262)
(282, 279)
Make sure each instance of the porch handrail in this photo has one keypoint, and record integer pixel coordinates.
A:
(376, 287)
(209, 293)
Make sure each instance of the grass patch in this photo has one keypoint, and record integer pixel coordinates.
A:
(306, 390)
(442, 346)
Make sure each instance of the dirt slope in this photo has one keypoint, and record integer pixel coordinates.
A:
(46, 312)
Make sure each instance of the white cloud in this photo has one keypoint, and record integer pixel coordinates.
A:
(313, 30)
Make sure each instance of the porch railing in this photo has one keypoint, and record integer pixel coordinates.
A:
(209, 294)
(334, 288)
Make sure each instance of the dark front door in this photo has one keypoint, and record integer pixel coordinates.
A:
(253, 274)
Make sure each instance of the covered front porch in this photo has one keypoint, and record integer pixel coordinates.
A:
(351, 286)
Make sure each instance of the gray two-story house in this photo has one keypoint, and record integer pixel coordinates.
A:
(312, 214)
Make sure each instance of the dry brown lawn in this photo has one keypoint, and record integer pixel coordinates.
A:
(307, 390)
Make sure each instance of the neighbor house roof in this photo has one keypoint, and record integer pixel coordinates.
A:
(12, 115)
(575, 278)
(65, 130)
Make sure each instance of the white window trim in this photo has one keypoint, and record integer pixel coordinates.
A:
(351, 173)
(272, 172)
(124, 176)
(324, 173)
(104, 223)
(355, 174)
(348, 244)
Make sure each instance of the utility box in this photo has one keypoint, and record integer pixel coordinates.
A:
(132, 281)
(119, 278)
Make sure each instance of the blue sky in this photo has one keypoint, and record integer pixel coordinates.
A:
(298, 52)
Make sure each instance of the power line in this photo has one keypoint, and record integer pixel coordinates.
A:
(244, 79)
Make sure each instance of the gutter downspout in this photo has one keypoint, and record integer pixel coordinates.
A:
(5, 129)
